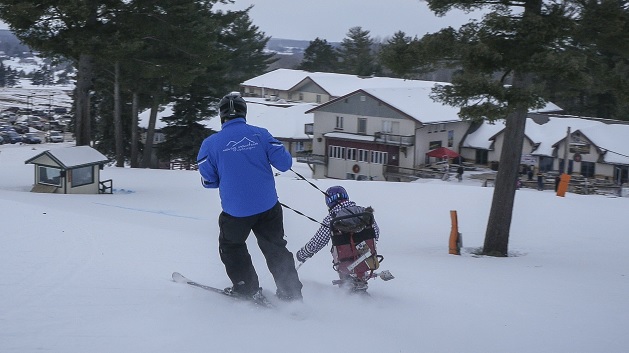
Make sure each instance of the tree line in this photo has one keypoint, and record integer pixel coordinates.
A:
(141, 54)
(8, 76)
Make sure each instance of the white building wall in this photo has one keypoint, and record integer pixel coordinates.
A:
(439, 132)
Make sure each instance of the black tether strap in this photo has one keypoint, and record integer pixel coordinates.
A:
(306, 180)
(301, 214)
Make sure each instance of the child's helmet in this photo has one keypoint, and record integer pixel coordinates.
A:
(334, 195)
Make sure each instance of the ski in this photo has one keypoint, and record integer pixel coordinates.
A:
(179, 278)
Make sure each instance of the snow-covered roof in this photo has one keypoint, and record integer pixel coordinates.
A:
(143, 117)
(282, 79)
(283, 122)
(481, 137)
(611, 138)
(71, 157)
(554, 130)
(416, 102)
(335, 84)
(606, 136)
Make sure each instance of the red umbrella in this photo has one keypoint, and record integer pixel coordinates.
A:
(442, 152)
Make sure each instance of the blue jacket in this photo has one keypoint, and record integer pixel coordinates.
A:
(237, 160)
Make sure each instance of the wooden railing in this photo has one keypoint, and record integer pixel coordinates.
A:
(106, 186)
(310, 158)
(183, 165)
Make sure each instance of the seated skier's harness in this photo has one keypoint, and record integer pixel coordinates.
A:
(353, 242)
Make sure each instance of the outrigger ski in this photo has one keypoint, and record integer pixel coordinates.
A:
(179, 278)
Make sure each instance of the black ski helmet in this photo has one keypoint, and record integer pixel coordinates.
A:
(232, 106)
(334, 195)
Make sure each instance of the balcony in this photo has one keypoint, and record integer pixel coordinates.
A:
(307, 157)
(392, 139)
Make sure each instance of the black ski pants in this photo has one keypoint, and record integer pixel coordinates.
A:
(268, 228)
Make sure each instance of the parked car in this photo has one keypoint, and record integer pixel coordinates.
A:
(21, 128)
(36, 122)
(54, 136)
(58, 125)
(11, 136)
(31, 138)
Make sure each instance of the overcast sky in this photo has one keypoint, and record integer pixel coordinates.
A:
(331, 19)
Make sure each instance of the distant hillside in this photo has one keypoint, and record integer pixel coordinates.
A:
(287, 46)
(11, 45)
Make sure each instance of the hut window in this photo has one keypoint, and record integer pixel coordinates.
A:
(49, 176)
(82, 176)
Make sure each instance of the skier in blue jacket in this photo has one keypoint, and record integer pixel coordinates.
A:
(237, 160)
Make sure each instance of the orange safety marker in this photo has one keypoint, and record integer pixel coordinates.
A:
(564, 181)
(455, 236)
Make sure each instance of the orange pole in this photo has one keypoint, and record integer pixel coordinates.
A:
(454, 234)
(564, 181)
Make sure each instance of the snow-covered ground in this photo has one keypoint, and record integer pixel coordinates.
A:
(92, 273)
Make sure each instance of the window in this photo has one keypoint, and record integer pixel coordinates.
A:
(433, 128)
(481, 157)
(362, 125)
(546, 163)
(299, 146)
(587, 169)
(339, 123)
(386, 126)
(433, 145)
(391, 127)
(49, 176)
(570, 165)
(351, 154)
(363, 156)
(378, 157)
(82, 176)
(301, 96)
(318, 98)
(337, 152)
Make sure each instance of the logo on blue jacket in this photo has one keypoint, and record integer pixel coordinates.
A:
(242, 145)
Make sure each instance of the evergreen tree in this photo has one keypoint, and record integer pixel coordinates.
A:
(184, 131)
(243, 57)
(524, 41)
(43, 76)
(245, 44)
(603, 33)
(320, 56)
(3, 75)
(12, 77)
(356, 53)
(398, 55)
